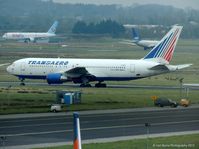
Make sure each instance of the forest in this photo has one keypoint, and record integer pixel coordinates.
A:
(38, 15)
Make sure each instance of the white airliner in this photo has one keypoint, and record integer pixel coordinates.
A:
(147, 44)
(31, 36)
(83, 71)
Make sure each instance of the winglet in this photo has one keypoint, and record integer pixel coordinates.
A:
(77, 136)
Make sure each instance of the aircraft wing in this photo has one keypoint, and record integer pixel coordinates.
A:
(128, 42)
(77, 72)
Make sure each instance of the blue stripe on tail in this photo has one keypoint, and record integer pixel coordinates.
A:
(156, 50)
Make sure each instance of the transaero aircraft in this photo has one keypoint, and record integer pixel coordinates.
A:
(84, 71)
(31, 36)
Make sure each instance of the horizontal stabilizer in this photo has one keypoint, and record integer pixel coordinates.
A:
(159, 67)
(183, 66)
(162, 67)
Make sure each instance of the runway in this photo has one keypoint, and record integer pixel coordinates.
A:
(58, 127)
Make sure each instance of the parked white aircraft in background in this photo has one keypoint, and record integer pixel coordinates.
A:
(147, 44)
(32, 36)
(83, 71)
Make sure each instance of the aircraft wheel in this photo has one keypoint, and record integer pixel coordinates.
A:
(85, 85)
(22, 84)
(100, 85)
(27, 41)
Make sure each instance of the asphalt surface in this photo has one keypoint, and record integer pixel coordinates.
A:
(55, 128)
(166, 87)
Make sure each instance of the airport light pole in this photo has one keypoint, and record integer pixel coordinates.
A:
(181, 82)
(8, 99)
(147, 125)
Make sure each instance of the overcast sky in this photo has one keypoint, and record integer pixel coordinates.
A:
(176, 3)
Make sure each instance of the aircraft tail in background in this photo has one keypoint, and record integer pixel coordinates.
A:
(77, 134)
(53, 28)
(135, 35)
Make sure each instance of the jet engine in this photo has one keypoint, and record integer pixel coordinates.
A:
(55, 78)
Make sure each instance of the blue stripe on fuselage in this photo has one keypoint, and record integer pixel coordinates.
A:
(31, 77)
(96, 79)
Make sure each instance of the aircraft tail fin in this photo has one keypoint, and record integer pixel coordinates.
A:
(5, 64)
(77, 136)
(163, 51)
(135, 35)
(53, 28)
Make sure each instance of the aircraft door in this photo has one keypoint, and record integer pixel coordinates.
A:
(132, 68)
(22, 67)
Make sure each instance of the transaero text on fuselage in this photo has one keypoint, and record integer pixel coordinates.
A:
(48, 62)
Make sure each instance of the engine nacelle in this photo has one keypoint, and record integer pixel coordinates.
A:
(55, 78)
(32, 39)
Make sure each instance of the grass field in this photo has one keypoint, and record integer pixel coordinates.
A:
(34, 99)
(38, 99)
(174, 142)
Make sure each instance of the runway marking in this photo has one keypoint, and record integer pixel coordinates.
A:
(92, 116)
(96, 121)
(96, 128)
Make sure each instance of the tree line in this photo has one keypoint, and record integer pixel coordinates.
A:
(103, 27)
(38, 15)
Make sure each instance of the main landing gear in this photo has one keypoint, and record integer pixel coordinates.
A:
(97, 85)
(22, 82)
(100, 85)
(85, 85)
